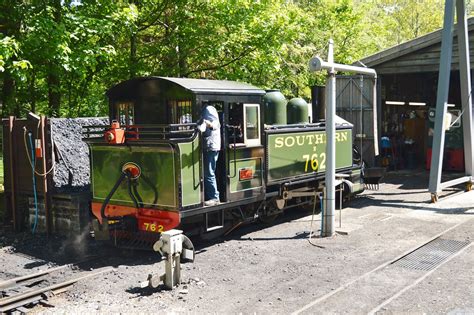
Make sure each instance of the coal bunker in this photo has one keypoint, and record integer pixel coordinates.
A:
(72, 169)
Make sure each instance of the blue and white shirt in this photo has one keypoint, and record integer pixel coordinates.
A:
(212, 134)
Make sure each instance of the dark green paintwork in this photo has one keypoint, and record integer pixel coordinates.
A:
(157, 163)
(297, 111)
(190, 156)
(275, 108)
(290, 154)
(236, 184)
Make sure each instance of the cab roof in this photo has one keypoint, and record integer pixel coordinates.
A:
(195, 86)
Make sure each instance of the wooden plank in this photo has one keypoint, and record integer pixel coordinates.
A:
(11, 121)
(399, 70)
(45, 176)
(421, 62)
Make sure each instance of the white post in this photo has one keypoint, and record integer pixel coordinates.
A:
(330, 211)
(317, 64)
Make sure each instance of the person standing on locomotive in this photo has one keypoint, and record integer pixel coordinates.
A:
(210, 129)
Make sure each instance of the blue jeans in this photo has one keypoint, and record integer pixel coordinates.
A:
(210, 184)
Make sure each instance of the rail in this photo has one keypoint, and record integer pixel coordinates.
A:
(18, 293)
(170, 132)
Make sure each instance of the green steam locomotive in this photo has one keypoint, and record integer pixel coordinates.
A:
(147, 167)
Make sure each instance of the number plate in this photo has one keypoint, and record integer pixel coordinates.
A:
(150, 226)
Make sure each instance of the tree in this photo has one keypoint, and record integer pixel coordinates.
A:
(60, 59)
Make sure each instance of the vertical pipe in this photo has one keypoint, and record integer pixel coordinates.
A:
(375, 118)
(45, 177)
(329, 215)
(442, 98)
(11, 121)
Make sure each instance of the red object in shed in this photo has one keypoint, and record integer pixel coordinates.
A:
(453, 159)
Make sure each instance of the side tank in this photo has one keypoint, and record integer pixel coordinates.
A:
(297, 111)
(275, 108)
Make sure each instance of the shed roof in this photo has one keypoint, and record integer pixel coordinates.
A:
(417, 55)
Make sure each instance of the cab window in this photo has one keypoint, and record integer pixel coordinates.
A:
(125, 113)
(180, 112)
(252, 124)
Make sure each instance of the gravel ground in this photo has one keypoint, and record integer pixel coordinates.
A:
(274, 269)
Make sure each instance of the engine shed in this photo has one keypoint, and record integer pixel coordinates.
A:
(408, 75)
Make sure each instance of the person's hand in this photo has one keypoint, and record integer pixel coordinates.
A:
(202, 127)
(208, 123)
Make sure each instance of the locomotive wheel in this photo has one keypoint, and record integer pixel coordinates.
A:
(275, 208)
(268, 219)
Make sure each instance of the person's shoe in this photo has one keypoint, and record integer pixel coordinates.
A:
(211, 202)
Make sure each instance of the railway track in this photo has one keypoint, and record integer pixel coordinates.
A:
(16, 294)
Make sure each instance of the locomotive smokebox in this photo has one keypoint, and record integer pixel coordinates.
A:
(318, 102)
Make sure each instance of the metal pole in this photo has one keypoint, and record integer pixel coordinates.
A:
(442, 99)
(341, 190)
(375, 118)
(466, 92)
(329, 214)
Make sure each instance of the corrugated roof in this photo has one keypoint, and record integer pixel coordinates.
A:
(409, 46)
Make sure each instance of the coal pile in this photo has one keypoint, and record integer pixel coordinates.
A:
(72, 170)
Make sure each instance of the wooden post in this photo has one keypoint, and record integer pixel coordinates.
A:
(12, 205)
(45, 176)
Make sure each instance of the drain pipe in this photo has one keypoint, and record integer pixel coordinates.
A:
(317, 64)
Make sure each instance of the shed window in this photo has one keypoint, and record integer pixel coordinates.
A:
(125, 114)
(252, 124)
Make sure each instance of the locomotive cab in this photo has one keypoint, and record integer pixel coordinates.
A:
(153, 128)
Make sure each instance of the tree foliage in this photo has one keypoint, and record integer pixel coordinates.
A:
(58, 59)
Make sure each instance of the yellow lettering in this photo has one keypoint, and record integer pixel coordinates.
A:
(344, 136)
(306, 156)
(279, 142)
(314, 162)
(289, 140)
(298, 138)
(319, 138)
